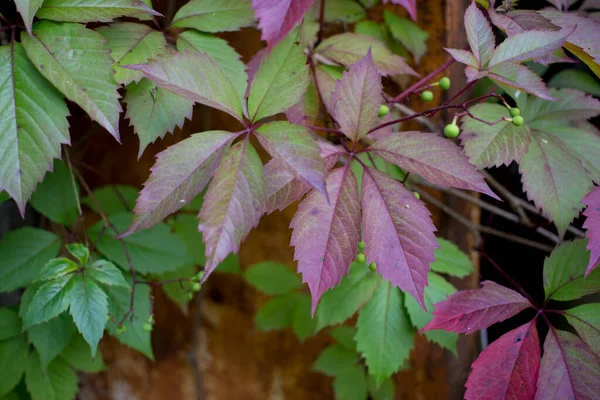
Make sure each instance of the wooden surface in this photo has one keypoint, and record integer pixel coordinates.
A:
(215, 352)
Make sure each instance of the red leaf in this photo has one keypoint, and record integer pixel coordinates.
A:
(569, 370)
(471, 310)
(508, 368)
(277, 17)
(398, 233)
(434, 158)
(592, 224)
(409, 5)
(480, 35)
(326, 236)
(357, 98)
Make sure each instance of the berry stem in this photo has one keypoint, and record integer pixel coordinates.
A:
(424, 80)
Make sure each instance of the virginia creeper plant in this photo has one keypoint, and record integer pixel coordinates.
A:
(313, 106)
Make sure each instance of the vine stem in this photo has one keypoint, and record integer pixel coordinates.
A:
(321, 23)
(424, 80)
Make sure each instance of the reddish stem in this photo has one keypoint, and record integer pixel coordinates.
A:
(424, 80)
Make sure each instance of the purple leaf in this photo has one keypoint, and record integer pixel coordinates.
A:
(464, 57)
(508, 368)
(306, 111)
(480, 35)
(282, 188)
(277, 17)
(233, 204)
(471, 310)
(569, 370)
(194, 76)
(398, 233)
(571, 104)
(592, 224)
(296, 149)
(326, 236)
(409, 5)
(357, 98)
(326, 82)
(434, 158)
(521, 21)
(519, 77)
(181, 172)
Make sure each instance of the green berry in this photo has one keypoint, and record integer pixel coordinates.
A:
(200, 275)
(360, 257)
(445, 83)
(121, 330)
(514, 112)
(383, 111)
(196, 287)
(361, 246)
(151, 319)
(451, 131)
(427, 95)
(417, 195)
(190, 296)
(373, 266)
(518, 121)
(147, 327)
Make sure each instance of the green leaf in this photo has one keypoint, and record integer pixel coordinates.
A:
(178, 291)
(384, 391)
(119, 302)
(153, 250)
(132, 43)
(76, 62)
(348, 11)
(272, 278)
(79, 251)
(211, 16)
(4, 197)
(303, 323)
(34, 124)
(230, 265)
(51, 338)
(344, 335)
(89, 308)
(185, 226)
(281, 79)
(11, 324)
(154, 111)
(564, 272)
(57, 197)
(586, 320)
(24, 252)
(277, 313)
(13, 358)
(385, 334)
(78, 355)
(351, 384)
(105, 272)
(221, 52)
(342, 301)
(437, 291)
(370, 28)
(412, 37)
(92, 10)
(50, 300)
(335, 359)
(449, 259)
(58, 382)
(27, 9)
(110, 201)
(576, 79)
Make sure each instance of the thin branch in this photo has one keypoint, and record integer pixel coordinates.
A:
(422, 81)
(321, 23)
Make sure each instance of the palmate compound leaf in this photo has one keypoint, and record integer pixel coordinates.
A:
(33, 116)
(294, 146)
(281, 79)
(196, 77)
(92, 10)
(27, 9)
(569, 369)
(564, 273)
(349, 48)
(398, 232)
(233, 204)
(432, 157)
(154, 111)
(132, 43)
(384, 333)
(75, 60)
(326, 235)
(592, 224)
(586, 321)
(474, 309)
(508, 368)
(356, 99)
(181, 172)
(278, 17)
(214, 16)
